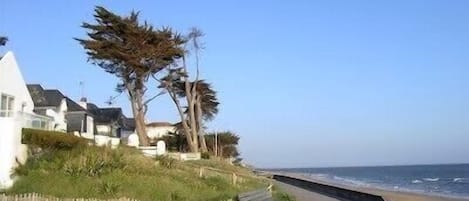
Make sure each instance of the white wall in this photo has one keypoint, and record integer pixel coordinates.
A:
(12, 83)
(89, 134)
(160, 131)
(103, 129)
(8, 149)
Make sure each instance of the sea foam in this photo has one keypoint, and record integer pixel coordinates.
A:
(431, 179)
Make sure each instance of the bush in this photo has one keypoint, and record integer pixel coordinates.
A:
(205, 155)
(93, 162)
(51, 139)
(166, 161)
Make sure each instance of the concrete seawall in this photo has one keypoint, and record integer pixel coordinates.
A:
(328, 190)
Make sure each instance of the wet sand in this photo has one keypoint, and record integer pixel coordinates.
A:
(303, 195)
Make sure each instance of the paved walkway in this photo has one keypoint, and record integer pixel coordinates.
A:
(302, 194)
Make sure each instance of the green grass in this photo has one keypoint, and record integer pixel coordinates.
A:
(93, 172)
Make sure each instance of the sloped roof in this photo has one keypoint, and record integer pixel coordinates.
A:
(159, 124)
(129, 124)
(106, 115)
(45, 98)
(72, 106)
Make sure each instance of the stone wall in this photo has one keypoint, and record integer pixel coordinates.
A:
(328, 190)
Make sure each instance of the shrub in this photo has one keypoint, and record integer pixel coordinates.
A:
(93, 162)
(51, 139)
(205, 155)
(284, 197)
(166, 161)
(109, 187)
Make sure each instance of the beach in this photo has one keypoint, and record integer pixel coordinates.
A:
(303, 195)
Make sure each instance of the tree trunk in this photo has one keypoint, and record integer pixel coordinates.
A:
(187, 133)
(139, 116)
(192, 123)
(203, 144)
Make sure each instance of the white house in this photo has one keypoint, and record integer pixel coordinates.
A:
(159, 129)
(50, 102)
(79, 119)
(16, 112)
(154, 130)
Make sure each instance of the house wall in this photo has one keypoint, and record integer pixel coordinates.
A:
(75, 122)
(12, 83)
(103, 129)
(90, 128)
(112, 130)
(125, 135)
(160, 131)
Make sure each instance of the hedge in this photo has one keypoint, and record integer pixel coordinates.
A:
(51, 139)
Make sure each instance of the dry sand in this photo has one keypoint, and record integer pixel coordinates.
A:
(303, 195)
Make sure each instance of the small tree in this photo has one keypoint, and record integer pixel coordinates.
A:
(226, 144)
(133, 52)
(3, 40)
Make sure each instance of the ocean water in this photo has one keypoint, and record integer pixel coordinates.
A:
(443, 180)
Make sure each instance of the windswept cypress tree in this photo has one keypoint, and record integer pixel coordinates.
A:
(3, 40)
(133, 52)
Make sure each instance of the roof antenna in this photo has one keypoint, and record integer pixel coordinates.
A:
(82, 89)
(110, 101)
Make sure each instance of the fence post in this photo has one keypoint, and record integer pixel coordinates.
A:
(235, 178)
(201, 172)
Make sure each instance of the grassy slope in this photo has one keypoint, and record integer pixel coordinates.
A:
(94, 172)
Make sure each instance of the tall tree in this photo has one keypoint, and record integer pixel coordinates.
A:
(3, 40)
(133, 52)
(205, 107)
(177, 82)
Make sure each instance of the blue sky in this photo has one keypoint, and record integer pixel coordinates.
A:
(304, 83)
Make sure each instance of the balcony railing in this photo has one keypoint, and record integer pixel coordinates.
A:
(28, 120)
(35, 121)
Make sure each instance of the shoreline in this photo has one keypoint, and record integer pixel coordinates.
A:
(387, 194)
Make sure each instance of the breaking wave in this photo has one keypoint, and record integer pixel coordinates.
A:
(431, 179)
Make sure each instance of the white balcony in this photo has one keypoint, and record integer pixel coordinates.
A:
(26, 120)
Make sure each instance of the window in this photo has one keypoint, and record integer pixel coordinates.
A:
(6, 105)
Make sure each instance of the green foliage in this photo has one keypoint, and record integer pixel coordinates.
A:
(129, 49)
(205, 155)
(109, 187)
(51, 139)
(175, 142)
(166, 162)
(103, 173)
(280, 196)
(92, 163)
(227, 143)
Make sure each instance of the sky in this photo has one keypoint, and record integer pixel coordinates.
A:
(304, 83)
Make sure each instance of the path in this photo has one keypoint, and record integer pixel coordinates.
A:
(302, 194)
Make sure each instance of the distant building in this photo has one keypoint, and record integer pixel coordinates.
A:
(50, 102)
(79, 119)
(128, 128)
(108, 121)
(159, 129)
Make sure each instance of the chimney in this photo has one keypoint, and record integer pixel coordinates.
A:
(83, 103)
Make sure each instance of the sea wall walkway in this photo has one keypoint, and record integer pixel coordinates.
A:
(328, 192)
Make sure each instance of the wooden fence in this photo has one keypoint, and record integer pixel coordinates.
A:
(39, 197)
(236, 178)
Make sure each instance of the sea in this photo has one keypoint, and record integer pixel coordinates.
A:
(442, 180)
